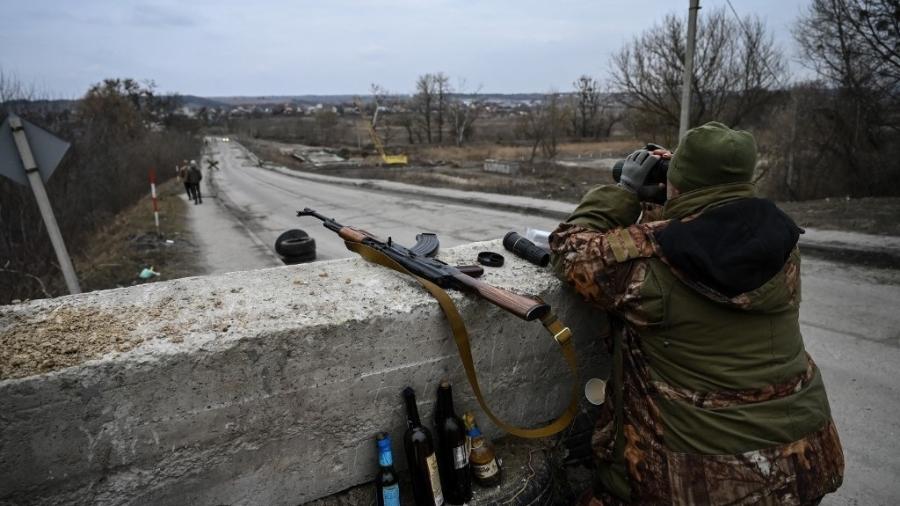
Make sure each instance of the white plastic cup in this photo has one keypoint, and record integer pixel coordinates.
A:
(595, 391)
(540, 238)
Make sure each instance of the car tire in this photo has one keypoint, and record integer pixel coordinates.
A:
(300, 259)
(295, 243)
(293, 233)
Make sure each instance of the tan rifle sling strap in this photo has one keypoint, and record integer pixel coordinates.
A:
(560, 333)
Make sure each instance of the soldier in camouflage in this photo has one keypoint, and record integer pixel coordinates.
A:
(713, 398)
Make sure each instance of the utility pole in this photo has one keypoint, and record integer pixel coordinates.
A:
(43, 202)
(687, 78)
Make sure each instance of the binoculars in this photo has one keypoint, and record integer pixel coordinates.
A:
(657, 173)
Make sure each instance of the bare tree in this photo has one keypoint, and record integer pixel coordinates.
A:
(406, 121)
(326, 121)
(594, 113)
(14, 94)
(609, 114)
(736, 64)
(423, 104)
(464, 109)
(544, 124)
(854, 120)
(587, 104)
(877, 22)
(854, 45)
(442, 87)
(381, 104)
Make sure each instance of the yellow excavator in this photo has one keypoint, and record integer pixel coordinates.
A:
(370, 125)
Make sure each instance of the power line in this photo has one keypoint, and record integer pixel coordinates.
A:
(746, 31)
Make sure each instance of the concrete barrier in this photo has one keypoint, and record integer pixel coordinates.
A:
(259, 387)
(508, 167)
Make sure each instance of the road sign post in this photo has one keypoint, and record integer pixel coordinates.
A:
(155, 202)
(36, 183)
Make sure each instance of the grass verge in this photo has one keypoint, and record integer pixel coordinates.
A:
(121, 250)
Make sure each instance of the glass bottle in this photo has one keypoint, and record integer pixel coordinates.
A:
(423, 466)
(453, 457)
(387, 484)
(485, 469)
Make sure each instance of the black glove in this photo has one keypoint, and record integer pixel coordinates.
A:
(636, 172)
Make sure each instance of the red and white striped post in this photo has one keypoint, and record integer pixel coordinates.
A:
(155, 202)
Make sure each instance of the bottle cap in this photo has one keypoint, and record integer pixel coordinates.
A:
(468, 420)
(384, 441)
(490, 259)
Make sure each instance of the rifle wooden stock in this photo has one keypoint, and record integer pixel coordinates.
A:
(519, 305)
(351, 234)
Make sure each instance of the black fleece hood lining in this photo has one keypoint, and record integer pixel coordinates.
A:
(733, 248)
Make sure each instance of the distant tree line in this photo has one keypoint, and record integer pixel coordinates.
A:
(437, 113)
(119, 130)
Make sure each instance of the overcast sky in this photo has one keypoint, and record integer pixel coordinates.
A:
(284, 47)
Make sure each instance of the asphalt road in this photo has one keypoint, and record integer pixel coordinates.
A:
(849, 316)
(267, 202)
(850, 320)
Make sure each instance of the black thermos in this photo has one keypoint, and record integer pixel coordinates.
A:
(526, 249)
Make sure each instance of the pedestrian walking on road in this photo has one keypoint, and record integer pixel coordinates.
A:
(183, 177)
(712, 397)
(194, 177)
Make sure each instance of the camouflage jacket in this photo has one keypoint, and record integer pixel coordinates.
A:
(713, 398)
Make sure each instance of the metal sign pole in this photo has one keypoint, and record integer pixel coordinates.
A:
(155, 202)
(688, 77)
(43, 201)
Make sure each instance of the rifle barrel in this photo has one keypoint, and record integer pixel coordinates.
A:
(329, 223)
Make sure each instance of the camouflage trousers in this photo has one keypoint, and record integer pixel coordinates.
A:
(796, 473)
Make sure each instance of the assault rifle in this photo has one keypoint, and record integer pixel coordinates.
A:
(435, 275)
(419, 260)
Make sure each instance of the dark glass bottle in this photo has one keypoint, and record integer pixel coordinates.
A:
(453, 454)
(423, 466)
(485, 468)
(387, 484)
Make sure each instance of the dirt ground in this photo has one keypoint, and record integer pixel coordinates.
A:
(461, 169)
(874, 215)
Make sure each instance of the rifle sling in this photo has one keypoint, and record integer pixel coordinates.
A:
(561, 334)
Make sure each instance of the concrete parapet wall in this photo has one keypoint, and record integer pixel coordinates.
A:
(259, 387)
